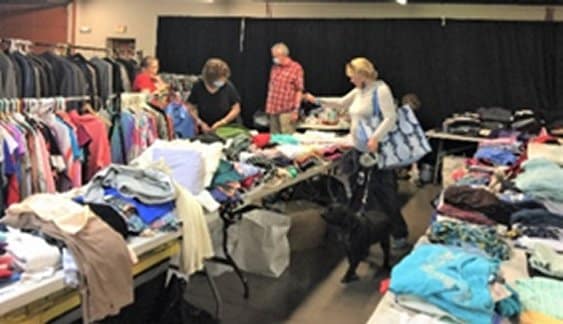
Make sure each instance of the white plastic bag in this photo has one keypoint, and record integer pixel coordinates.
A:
(262, 246)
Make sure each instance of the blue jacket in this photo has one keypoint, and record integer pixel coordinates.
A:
(184, 124)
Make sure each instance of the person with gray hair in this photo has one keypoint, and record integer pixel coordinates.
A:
(285, 90)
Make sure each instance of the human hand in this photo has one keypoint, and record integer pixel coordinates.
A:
(294, 115)
(373, 144)
(309, 98)
(204, 127)
(217, 125)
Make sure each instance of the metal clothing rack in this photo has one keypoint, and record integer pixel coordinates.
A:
(66, 99)
(14, 42)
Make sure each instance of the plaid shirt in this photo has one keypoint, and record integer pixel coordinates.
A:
(285, 82)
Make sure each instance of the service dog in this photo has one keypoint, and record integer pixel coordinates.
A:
(358, 231)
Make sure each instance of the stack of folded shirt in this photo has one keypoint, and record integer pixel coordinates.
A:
(454, 280)
(542, 295)
(478, 200)
(31, 253)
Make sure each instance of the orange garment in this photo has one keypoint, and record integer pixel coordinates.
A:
(530, 317)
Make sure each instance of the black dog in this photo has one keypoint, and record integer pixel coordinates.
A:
(359, 232)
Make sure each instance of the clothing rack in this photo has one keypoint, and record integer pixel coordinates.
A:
(14, 42)
(69, 47)
(66, 99)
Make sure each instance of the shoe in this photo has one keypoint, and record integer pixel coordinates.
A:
(399, 244)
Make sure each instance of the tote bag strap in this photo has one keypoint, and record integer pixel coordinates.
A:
(375, 102)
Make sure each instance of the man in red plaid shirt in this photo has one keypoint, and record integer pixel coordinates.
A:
(284, 91)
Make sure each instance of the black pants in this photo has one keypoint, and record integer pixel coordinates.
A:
(383, 196)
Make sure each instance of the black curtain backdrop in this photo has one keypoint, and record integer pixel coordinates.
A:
(453, 68)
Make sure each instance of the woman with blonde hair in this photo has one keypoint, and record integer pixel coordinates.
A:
(383, 188)
(214, 100)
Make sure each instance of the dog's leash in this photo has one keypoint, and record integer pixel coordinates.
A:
(364, 178)
(368, 161)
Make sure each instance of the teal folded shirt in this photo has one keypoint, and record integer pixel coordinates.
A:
(541, 179)
(542, 295)
(450, 278)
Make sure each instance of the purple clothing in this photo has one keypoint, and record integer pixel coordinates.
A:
(18, 137)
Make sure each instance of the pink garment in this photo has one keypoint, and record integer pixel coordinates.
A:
(153, 130)
(99, 148)
(75, 167)
(498, 141)
(473, 217)
(45, 164)
(145, 134)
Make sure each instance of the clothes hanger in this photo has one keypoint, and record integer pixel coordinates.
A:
(3, 111)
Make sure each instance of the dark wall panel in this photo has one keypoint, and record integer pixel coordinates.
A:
(462, 65)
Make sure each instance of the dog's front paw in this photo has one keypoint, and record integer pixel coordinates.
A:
(349, 278)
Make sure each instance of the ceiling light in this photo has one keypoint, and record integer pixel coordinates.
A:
(402, 2)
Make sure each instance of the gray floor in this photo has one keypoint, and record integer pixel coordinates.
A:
(310, 290)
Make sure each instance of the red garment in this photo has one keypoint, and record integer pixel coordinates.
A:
(5, 273)
(247, 183)
(13, 196)
(99, 147)
(458, 174)
(6, 259)
(285, 82)
(144, 81)
(544, 138)
(261, 140)
(384, 285)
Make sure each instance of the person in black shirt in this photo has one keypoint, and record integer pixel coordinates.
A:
(214, 99)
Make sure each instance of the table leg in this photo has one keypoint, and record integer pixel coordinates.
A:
(438, 162)
(228, 260)
(216, 295)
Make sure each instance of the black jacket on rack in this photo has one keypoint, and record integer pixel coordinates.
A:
(117, 76)
(27, 80)
(131, 66)
(8, 80)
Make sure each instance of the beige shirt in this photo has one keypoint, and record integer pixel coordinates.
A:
(65, 213)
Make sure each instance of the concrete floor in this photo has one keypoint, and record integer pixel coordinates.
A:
(310, 291)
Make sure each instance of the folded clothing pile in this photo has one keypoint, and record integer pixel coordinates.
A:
(545, 260)
(541, 179)
(143, 197)
(101, 254)
(541, 295)
(31, 253)
(479, 200)
(454, 280)
(470, 236)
